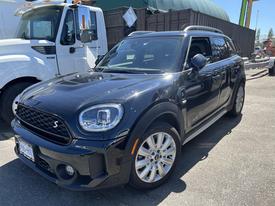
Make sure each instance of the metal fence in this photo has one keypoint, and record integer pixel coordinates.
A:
(244, 38)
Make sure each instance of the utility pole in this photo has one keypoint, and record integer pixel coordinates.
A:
(257, 20)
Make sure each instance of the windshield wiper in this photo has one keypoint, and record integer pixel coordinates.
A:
(97, 69)
(125, 71)
(128, 70)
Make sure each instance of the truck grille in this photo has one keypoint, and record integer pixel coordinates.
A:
(46, 125)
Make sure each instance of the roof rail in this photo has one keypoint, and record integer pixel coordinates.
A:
(203, 28)
(138, 33)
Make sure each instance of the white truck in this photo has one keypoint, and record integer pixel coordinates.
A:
(9, 21)
(53, 39)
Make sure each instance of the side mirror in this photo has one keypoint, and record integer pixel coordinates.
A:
(199, 61)
(84, 24)
(99, 58)
(86, 36)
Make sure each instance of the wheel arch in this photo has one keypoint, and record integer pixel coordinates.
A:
(241, 80)
(28, 79)
(160, 112)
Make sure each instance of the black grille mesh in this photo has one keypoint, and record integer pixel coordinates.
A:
(43, 124)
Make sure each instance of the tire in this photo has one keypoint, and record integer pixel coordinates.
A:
(155, 161)
(238, 101)
(7, 99)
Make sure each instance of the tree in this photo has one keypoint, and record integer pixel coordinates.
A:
(270, 33)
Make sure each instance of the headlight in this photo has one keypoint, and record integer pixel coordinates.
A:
(101, 117)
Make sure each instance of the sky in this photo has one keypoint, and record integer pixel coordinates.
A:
(266, 10)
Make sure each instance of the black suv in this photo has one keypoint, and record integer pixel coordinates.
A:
(126, 120)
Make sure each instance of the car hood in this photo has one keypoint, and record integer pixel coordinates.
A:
(73, 92)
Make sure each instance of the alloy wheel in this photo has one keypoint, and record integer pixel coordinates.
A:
(240, 99)
(155, 157)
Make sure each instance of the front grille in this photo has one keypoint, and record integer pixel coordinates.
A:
(46, 125)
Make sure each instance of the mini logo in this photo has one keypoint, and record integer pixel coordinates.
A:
(55, 124)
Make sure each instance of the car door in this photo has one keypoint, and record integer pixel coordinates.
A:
(223, 63)
(72, 54)
(66, 43)
(201, 87)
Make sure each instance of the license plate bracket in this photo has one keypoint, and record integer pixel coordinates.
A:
(26, 149)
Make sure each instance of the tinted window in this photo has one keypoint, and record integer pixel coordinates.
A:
(144, 55)
(199, 45)
(231, 47)
(68, 32)
(219, 49)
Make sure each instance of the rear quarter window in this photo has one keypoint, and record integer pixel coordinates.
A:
(220, 50)
(231, 47)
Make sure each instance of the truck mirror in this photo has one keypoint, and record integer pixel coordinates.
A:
(84, 24)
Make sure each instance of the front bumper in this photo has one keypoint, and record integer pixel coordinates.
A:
(97, 164)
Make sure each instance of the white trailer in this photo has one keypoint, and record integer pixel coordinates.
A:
(53, 39)
(8, 20)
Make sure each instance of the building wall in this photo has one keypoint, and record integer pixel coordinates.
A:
(243, 37)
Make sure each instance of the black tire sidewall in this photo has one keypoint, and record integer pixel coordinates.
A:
(7, 99)
(234, 111)
(158, 127)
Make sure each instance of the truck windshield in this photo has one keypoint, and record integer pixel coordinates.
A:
(143, 55)
(40, 23)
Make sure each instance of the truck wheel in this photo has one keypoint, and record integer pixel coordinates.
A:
(238, 102)
(7, 99)
(155, 157)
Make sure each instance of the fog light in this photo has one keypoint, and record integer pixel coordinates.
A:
(70, 170)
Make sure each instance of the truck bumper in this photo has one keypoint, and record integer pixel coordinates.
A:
(94, 165)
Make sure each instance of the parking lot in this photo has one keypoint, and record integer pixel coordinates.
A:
(231, 163)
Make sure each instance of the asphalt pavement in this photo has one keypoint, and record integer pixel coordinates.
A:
(231, 163)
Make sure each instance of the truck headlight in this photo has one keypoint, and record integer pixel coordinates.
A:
(101, 117)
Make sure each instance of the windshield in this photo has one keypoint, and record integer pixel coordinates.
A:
(40, 23)
(145, 55)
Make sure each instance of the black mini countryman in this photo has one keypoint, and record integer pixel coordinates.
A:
(126, 120)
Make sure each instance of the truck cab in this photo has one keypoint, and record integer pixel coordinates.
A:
(53, 39)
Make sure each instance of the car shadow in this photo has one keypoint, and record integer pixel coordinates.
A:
(5, 131)
(19, 184)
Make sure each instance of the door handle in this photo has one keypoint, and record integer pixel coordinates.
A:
(72, 50)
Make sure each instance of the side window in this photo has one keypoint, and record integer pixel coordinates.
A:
(231, 47)
(219, 49)
(42, 28)
(94, 25)
(68, 31)
(199, 45)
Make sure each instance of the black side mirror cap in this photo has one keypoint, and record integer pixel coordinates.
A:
(99, 58)
(199, 61)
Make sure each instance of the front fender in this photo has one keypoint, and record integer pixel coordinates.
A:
(155, 112)
(17, 66)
